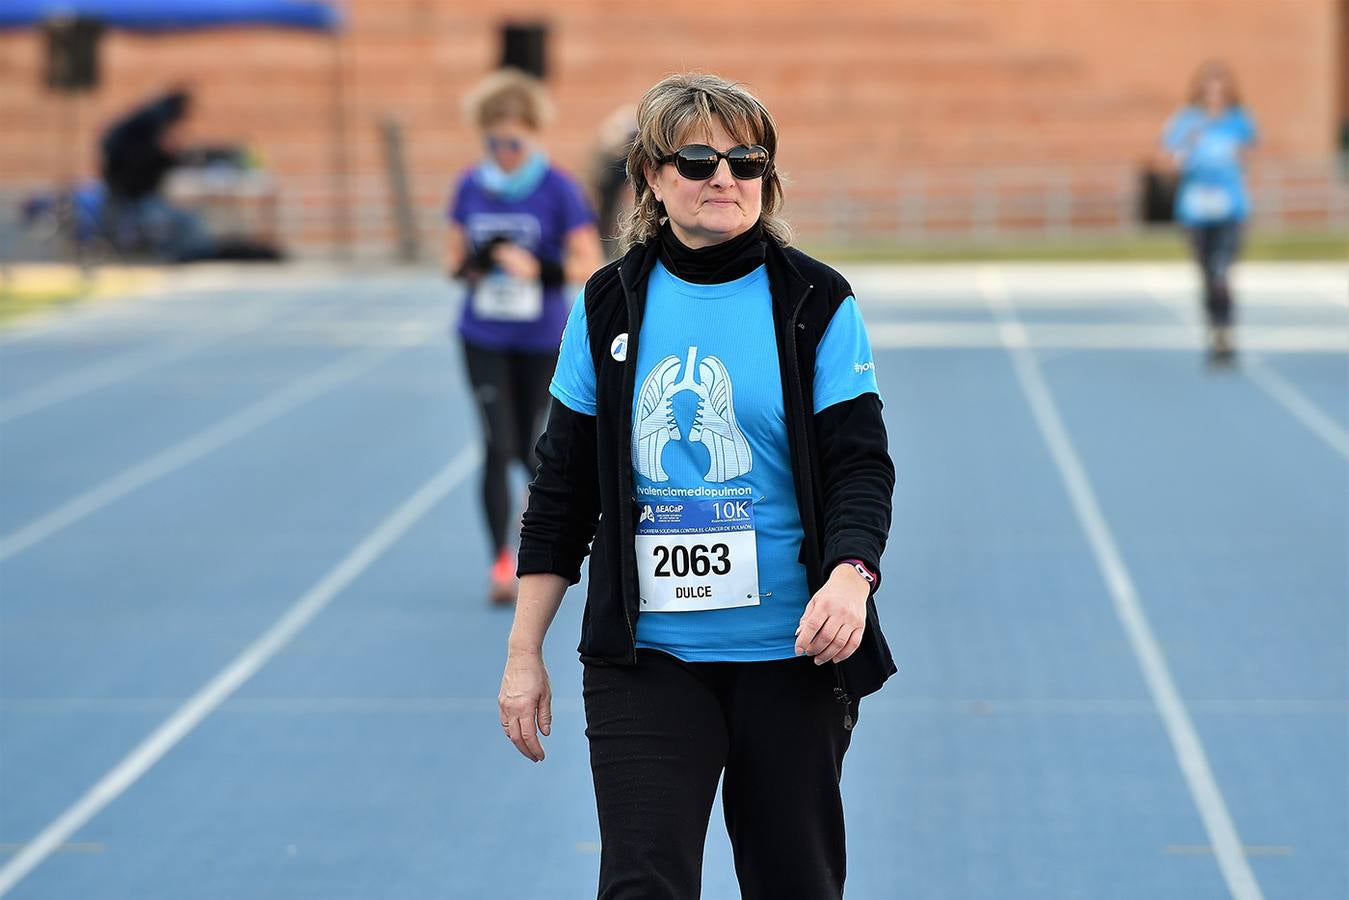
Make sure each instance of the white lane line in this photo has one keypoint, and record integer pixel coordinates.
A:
(1293, 400)
(209, 439)
(1337, 295)
(436, 705)
(1078, 285)
(243, 667)
(1104, 336)
(100, 312)
(1185, 743)
(189, 290)
(1051, 299)
(111, 371)
(1264, 376)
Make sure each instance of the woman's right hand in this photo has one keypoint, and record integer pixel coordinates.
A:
(526, 702)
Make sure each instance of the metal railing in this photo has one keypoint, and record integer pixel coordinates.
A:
(909, 207)
(1043, 201)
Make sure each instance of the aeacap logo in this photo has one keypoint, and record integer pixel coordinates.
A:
(619, 348)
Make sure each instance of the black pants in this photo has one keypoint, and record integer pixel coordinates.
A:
(1215, 249)
(511, 390)
(664, 731)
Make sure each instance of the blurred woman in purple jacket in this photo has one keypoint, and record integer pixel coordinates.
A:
(520, 230)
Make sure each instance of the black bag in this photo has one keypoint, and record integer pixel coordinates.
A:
(1157, 199)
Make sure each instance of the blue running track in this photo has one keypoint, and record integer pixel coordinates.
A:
(245, 650)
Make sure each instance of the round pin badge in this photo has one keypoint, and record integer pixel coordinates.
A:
(619, 348)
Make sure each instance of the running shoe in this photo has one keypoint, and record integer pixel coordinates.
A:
(655, 424)
(1222, 352)
(715, 425)
(503, 581)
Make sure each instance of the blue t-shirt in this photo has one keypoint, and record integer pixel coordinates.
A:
(725, 332)
(539, 222)
(1211, 187)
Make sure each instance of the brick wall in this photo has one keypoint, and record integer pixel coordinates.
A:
(870, 94)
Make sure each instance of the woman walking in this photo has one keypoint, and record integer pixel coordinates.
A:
(520, 230)
(1207, 142)
(716, 430)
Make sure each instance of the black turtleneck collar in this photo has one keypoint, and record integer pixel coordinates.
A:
(717, 264)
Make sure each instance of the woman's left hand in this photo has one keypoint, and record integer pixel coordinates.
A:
(835, 618)
(516, 261)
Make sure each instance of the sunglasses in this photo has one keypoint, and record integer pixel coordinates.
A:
(698, 162)
(498, 144)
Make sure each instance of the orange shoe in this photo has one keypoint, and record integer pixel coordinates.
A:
(503, 582)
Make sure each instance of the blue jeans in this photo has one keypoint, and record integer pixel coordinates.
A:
(1215, 249)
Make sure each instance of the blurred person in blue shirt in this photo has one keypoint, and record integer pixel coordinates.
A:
(1207, 141)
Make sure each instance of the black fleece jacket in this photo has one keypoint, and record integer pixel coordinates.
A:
(583, 489)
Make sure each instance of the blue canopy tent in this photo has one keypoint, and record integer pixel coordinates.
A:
(176, 15)
(163, 16)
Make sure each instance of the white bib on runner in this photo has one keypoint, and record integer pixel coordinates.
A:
(697, 554)
(501, 298)
(1207, 203)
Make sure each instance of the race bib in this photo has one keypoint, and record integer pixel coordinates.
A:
(1207, 203)
(501, 298)
(697, 554)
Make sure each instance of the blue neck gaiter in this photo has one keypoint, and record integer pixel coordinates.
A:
(513, 186)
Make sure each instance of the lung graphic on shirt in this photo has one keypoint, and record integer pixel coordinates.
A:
(714, 424)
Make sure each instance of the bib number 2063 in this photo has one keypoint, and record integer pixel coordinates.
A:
(696, 555)
(680, 561)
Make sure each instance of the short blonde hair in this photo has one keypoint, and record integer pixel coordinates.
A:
(677, 107)
(508, 94)
(1210, 70)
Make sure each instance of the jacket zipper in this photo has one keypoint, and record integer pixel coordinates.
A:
(625, 504)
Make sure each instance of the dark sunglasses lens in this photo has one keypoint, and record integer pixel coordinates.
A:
(748, 162)
(696, 162)
(496, 145)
